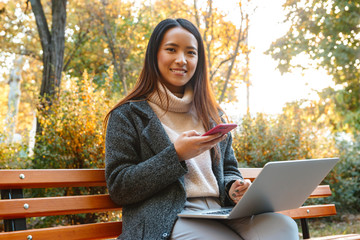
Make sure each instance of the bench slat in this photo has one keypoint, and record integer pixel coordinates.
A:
(79, 232)
(51, 206)
(311, 211)
(43, 178)
(321, 191)
(250, 173)
(10, 179)
(101, 203)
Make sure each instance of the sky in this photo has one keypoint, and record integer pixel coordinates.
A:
(270, 90)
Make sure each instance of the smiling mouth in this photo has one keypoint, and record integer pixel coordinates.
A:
(180, 71)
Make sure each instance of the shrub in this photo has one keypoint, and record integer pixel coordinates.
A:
(294, 134)
(71, 137)
(72, 134)
(265, 138)
(13, 156)
(345, 179)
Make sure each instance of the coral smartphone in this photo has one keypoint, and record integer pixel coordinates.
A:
(221, 128)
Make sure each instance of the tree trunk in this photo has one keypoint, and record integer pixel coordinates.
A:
(58, 38)
(13, 99)
(53, 45)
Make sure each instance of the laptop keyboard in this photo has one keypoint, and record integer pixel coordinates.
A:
(219, 212)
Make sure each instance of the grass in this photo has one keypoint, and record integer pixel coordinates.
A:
(336, 225)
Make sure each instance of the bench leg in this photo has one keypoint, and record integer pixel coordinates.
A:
(305, 228)
(13, 224)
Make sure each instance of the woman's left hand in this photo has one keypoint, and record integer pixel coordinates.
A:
(238, 189)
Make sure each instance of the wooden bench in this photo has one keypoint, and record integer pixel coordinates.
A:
(14, 209)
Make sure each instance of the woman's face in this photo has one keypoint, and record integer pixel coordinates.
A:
(177, 58)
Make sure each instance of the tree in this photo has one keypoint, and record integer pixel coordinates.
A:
(86, 48)
(13, 99)
(19, 38)
(225, 46)
(107, 36)
(52, 43)
(121, 30)
(117, 58)
(328, 33)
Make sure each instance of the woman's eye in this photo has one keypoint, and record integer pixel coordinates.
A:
(170, 49)
(192, 53)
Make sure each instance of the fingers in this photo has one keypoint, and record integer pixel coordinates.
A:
(242, 183)
(192, 133)
(238, 189)
(218, 137)
(191, 144)
(209, 139)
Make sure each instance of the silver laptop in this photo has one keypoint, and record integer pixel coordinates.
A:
(279, 186)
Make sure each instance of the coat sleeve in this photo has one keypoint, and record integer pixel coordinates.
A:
(231, 171)
(130, 178)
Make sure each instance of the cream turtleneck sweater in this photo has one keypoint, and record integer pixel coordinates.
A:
(180, 117)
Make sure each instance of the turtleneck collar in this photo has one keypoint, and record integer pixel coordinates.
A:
(177, 103)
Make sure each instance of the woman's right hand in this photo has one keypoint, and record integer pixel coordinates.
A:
(191, 144)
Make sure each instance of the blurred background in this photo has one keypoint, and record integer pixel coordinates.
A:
(288, 72)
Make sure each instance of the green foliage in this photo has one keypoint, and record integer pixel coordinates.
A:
(328, 33)
(265, 138)
(345, 179)
(345, 104)
(105, 34)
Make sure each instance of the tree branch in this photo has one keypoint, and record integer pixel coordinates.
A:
(240, 38)
(80, 40)
(219, 65)
(197, 19)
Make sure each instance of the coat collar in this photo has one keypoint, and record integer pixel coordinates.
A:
(142, 108)
(153, 131)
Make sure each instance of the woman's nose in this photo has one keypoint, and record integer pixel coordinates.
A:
(180, 59)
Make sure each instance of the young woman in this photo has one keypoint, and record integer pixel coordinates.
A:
(157, 162)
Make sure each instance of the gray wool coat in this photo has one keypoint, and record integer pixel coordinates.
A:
(145, 176)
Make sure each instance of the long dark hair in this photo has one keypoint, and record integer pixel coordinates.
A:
(204, 100)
